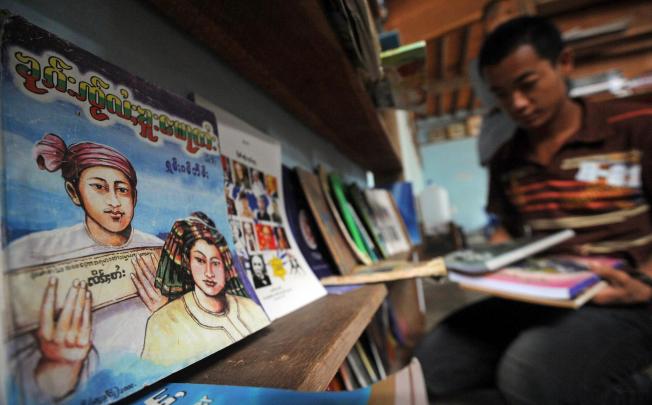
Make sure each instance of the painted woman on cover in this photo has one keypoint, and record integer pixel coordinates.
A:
(208, 308)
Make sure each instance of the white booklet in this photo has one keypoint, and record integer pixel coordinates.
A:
(493, 257)
(277, 270)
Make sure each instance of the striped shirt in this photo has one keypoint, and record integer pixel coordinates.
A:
(599, 184)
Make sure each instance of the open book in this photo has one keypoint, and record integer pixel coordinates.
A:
(564, 281)
(493, 257)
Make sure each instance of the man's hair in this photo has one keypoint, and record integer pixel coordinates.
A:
(537, 32)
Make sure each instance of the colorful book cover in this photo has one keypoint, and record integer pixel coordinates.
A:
(405, 68)
(406, 386)
(339, 248)
(276, 267)
(117, 263)
(343, 206)
(388, 221)
(360, 254)
(304, 228)
(362, 208)
(552, 277)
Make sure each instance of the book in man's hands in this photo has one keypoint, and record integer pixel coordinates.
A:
(493, 257)
(563, 281)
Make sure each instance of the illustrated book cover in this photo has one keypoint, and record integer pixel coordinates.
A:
(265, 244)
(118, 267)
(405, 387)
(564, 281)
(304, 227)
(388, 221)
(486, 258)
(340, 249)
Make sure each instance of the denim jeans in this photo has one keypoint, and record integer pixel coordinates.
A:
(542, 355)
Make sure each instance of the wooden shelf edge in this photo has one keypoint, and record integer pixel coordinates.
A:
(308, 74)
(301, 351)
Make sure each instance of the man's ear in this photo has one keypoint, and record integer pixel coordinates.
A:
(566, 61)
(72, 193)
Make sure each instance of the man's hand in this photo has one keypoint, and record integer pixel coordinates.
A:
(622, 288)
(64, 342)
(143, 279)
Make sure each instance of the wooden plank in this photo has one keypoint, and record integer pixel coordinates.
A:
(422, 20)
(300, 351)
(290, 51)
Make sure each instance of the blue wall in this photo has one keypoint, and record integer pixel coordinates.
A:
(454, 165)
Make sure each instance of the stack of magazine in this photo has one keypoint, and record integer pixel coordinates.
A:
(508, 270)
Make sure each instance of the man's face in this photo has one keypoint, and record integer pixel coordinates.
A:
(257, 266)
(529, 88)
(107, 197)
(207, 268)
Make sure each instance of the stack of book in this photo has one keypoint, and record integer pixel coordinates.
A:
(508, 270)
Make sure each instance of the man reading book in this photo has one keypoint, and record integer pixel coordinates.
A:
(571, 164)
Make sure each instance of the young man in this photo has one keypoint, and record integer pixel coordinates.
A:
(571, 164)
(497, 127)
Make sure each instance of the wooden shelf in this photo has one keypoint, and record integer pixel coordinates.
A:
(289, 49)
(301, 351)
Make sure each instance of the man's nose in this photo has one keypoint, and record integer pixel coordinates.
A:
(112, 199)
(519, 101)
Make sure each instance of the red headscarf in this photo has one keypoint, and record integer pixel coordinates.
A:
(52, 154)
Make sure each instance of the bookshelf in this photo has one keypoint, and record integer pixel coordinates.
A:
(290, 51)
(301, 351)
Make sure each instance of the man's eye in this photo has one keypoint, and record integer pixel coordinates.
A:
(97, 186)
(528, 85)
(123, 190)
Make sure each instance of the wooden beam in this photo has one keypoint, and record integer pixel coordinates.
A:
(422, 20)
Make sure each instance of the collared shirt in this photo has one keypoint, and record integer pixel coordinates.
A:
(599, 184)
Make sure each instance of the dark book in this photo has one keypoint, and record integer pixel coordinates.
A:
(304, 227)
(340, 250)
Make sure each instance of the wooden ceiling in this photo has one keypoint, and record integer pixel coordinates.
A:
(453, 36)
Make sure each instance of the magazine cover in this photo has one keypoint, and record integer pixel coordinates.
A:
(254, 192)
(388, 221)
(117, 262)
(304, 228)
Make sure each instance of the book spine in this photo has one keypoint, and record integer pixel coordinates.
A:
(577, 289)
